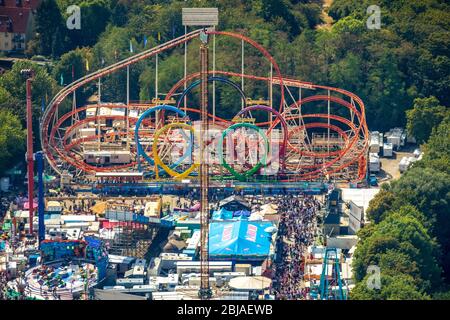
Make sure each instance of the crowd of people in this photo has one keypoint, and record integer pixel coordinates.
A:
(296, 232)
(3, 285)
(7, 203)
(78, 205)
(7, 292)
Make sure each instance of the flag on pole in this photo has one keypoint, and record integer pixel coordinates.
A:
(145, 41)
(62, 79)
(87, 65)
(131, 47)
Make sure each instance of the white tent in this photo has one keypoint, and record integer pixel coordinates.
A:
(271, 206)
(255, 217)
(54, 206)
(267, 210)
(152, 208)
(250, 283)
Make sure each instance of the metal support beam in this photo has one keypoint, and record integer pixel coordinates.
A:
(205, 290)
(329, 105)
(271, 92)
(214, 83)
(74, 108)
(41, 208)
(185, 68)
(99, 90)
(99, 142)
(242, 69)
(30, 160)
(127, 121)
(158, 121)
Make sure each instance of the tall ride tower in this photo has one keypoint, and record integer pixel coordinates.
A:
(204, 17)
(28, 74)
(205, 289)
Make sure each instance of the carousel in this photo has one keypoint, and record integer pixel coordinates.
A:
(60, 281)
(68, 271)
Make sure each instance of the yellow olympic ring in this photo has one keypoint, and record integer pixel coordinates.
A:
(158, 160)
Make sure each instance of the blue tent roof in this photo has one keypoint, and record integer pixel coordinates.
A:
(241, 239)
(242, 213)
(222, 214)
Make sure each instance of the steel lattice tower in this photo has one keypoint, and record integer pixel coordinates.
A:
(331, 284)
(205, 290)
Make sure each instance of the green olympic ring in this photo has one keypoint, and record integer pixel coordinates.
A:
(243, 176)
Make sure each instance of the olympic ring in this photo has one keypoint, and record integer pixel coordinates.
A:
(140, 151)
(158, 160)
(211, 79)
(281, 120)
(252, 171)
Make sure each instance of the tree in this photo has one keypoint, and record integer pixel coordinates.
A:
(347, 72)
(380, 205)
(50, 28)
(422, 193)
(403, 234)
(425, 115)
(71, 67)
(114, 45)
(43, 84)
(407, 58)
(58, 42)
(278, 12)
(442, 296)
(5, 96)
(343, 8)
(437, 150)
(95, 15)
(119, 14)
(72, 62)
(393, 287)
(428, 190)
(12, 140)
(43, 88)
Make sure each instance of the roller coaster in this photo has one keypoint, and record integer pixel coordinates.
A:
(299, 132)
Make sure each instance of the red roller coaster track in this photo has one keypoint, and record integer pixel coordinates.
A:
(298, 118)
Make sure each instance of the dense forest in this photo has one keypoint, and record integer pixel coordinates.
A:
(401, 71)
(409, 234)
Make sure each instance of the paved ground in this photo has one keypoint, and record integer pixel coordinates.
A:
(389, 166)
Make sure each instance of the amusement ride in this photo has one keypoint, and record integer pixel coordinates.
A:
(311, 145)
